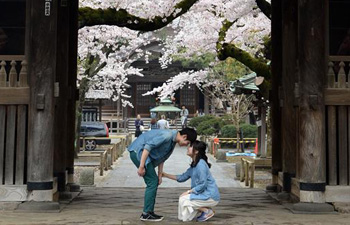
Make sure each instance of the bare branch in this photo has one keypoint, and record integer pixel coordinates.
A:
(265, 7)
(121, 18)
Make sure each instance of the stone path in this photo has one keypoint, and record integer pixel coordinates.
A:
(123, 206)
(118, 200)
(124, 173)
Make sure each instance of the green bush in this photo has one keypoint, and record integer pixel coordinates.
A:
(249, 131)
(210, 127)
(228, 131)
(197, 120)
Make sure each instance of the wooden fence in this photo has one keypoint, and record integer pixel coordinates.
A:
(337, 101)
(14, 101)
(247, 172)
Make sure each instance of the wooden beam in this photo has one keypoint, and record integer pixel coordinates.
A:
(337, 96)
(338, 194)
(13, 193)
(21, 144)
(10, 144)
(14, 96)
(12, 57)
(2, 141)
(295, 187)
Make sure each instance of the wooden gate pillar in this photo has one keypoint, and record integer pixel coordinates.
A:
(61, 98)
(289, 79)
(72, 80)
(276, 38)
(41, 70)
(312, 72)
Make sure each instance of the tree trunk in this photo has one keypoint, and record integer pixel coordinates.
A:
(82, 91)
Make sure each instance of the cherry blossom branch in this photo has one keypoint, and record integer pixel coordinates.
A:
(225, 50)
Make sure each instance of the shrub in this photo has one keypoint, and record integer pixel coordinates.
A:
(249, 131)
(210, 127)
(197, 120)
(228, 131)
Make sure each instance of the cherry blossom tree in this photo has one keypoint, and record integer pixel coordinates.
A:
(231, 28)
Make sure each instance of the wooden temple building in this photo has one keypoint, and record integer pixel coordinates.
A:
(38, 67)
(310, 100)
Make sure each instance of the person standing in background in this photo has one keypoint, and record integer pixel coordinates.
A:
(153, 124)
(139, 125)
(184, 115)
(163, 123)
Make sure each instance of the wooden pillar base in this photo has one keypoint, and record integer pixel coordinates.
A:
(312, 196)
(41, 195)
(64, 196)
(271, 188)
(283, 197)
(39, 207)
(70, 178)
(312, 208)
(72, 187)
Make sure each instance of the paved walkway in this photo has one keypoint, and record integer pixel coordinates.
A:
(118, 200)
(123, 206)
(125, 172)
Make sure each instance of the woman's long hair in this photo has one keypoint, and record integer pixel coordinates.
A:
(199, 146)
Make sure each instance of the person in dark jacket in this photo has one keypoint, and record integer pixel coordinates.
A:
(139, 126)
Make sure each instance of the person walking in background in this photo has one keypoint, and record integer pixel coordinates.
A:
(201, 113)
(150, 150)
(163, 123)
(153, 124)
(204, 192)
(184, 115)
(139, 126)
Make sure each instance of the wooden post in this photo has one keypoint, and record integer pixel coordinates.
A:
(252, 167)
(100, 110)
(41, 70)
(263, 133)
(118, 112)
(72, 77)
(276, 39)
(289, 78)
(206, 104)
(312, 71)
(61, 86)
(242, 171)
(246, 172)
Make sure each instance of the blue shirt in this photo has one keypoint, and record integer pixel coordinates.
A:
(203, 184)
(159, 143)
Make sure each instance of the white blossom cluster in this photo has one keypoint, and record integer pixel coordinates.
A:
(118, 48)
(195, 32)
(197, 78)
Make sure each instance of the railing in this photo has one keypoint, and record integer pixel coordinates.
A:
(14, 100)
(215, 142)
(337, 101)
(13, 84)
(247, 166)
